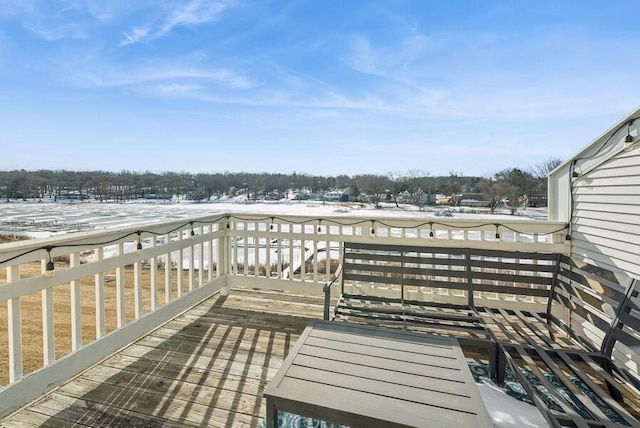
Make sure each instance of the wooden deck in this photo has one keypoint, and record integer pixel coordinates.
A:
(208, 367)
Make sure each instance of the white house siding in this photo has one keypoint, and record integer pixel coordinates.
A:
(603, 202)
(606, 214)
(602, 205)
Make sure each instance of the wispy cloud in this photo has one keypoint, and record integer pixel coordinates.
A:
(50, 22)
(57, 31)
(12, 8)
(176, 89)
(177, 75)
(480, 74)
(195, 12)
(134, 36)
(191, 14)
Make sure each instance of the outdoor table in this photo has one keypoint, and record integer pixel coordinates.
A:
(363, 376)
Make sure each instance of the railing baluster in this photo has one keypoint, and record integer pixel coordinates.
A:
(268, 249)
(222, 255)
(233, 259)
(256, 250)
(137, 289)
(192, 259)
(153, 275)
(200, 259)
(99, 297)
(48, 332)
(316, 259)
(279, 259)
(76, 305)
(303, 253)
(180, 267)
(14, 328)
(327, 246)
(245, 248)
(291, 252)
(210, 254)
(120, 291)
(167, 272)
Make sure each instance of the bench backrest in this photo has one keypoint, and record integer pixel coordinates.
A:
(623, 342)
(602, 310)
(465, 271)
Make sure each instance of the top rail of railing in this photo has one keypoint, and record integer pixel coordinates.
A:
(517, 234)
(511, 234)
(27, 250)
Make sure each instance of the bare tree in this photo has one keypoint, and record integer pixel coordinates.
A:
(373, 186)
(454, 185)
(542, 169)
(494, 190)
(415, 182)
(397, 181)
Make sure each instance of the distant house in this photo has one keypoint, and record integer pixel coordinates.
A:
(405, 197)
(156, 196)
(474, 200)
(423, 198)
(273, 195)
(344, 195)
(537, 200)
(302, 196)
(71, 195)
(443, 199)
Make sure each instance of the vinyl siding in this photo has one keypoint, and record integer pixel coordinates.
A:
(606, 213)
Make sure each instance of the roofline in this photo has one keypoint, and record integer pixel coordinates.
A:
(607, 134)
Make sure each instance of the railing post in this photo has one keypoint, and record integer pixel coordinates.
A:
(470, 295)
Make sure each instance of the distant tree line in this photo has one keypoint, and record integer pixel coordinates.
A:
(512, 184)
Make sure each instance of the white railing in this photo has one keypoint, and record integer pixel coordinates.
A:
(71, 300)
(290, 252)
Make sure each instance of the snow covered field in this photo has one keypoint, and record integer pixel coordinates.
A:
(44, 219)
(48, 218)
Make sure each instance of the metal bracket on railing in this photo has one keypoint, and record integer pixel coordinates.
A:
(327, 291)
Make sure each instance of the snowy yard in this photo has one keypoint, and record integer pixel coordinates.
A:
(46, 219)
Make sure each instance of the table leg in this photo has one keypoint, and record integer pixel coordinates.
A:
(272, 414)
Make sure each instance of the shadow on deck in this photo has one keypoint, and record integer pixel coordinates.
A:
(207, 367)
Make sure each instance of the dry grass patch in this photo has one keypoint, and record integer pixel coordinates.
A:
(11, 237)
(31, 312)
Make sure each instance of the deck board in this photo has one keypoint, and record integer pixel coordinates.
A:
(207, 367)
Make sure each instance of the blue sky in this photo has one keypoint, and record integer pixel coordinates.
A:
(321, 87)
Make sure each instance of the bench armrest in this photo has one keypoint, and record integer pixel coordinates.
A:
(327, 291)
